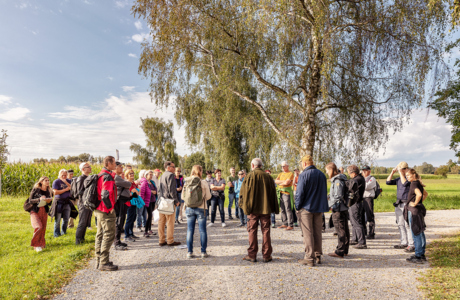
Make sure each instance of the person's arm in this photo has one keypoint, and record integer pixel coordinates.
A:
(418, 197)
(425, 194)
(206, 192)
(403, 178)
(120, 182)
(299, 195)
(229, 183)
(289, 180)
(172, 187)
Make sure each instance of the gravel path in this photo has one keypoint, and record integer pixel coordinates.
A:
(150, 272)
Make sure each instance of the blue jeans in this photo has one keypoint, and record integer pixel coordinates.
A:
(130, 219)
(65, 216)
(214, 202)
(141, 216)
(232, 197)
(273, 218)
(178, 208)
(193, 214)
(243, 217)
(419, 240)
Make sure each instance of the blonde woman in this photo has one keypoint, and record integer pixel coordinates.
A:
(61, 205)
(194, 213)
(39, 212)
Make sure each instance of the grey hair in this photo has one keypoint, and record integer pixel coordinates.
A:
(61, 172)
(142, 173)
(257, 162)
(284, 163)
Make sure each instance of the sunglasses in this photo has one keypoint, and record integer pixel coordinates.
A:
(240, 174)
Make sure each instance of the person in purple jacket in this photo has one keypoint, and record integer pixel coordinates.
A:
(146, 191)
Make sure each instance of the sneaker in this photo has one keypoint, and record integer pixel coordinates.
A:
(370, 237)
(423, 257)
(177, 222)
(140, 229)
(162, 244)
(146, 235)
(335, 233)
(352, 243)
(130, 239)
(414, 259)
(282, 226)
(210, 224)
(190, 255)
(124, 244)
(289, 228)
(120, 247)
(204, 255)
(224, 225)
(266, 260)
(108, 267)
(240, 225)
(359, 246)
(400, 246)
(305, 262)
(230, 218)
(333, 254)
(409, 249)
(38, 249)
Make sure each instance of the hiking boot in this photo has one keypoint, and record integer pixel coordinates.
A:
(240, 225)
(108, 267)
(414, 259)
(423, 257)
(124, 244)
(230, 218)
(335, 233)
(370, 237)
(78, 242)
(318, 260)
(289, 228)
(135, 236)
(400, 246)
(177, 222)
(190, 255)
(359, 246)
(174, 244)
(130, 238)
(305, 262)
(140, 229)
(204, 255)
(146, 235)
(162, 244)
(282, 226)
(250, 259)
(352, 243)
(333, 254)
(266, 260)
(120, 247)
(409, 249)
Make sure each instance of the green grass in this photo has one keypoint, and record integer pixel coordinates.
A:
(26, 274)
(442, 281)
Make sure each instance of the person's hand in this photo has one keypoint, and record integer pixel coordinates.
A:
(154, 192)
(42, 198)
(412, 204)
(134, 191)
(178, 204)
(180, 188)
(48, 200)
(394, 170)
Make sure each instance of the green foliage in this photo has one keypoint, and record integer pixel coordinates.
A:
(425, 168)
(25, 274)
(442, 171)
(196, 158)
(3, 150)
(161, 145)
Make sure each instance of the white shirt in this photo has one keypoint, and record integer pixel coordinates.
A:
(369, 192)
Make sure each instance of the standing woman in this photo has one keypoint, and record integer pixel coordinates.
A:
(146, 194)
(38, 215)
(153, 199)
(194, 213)
(60, 208)
(218, 197)
(179, 187)
(132, 209)
(141, 212)
(414, 214)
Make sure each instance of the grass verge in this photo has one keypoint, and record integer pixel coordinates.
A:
(26, 274)
(442, 281)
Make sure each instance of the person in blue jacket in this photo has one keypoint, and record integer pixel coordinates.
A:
(311, 203)
(237, 184)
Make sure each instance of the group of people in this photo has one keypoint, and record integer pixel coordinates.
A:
(302, 198)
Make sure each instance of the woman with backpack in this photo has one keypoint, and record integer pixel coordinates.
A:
(179, 187)
(196, 193)
(39, 201)
(337, 202)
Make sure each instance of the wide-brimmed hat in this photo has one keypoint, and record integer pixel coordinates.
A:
(403, 165)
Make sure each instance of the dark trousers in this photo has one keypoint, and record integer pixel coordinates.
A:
(130, 219)
(368, 204)
(340, 220)
(253, 221)
(243, 217)
(121, 210)
(84, 216)
(356, 212)
(323, 219)
(148, 224)
(217, 201)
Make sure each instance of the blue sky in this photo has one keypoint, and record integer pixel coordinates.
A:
(69, 84)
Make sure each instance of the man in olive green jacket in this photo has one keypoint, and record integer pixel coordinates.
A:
(258, 200)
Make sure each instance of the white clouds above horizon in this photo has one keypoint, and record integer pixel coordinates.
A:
(128, 88)
(5, 99)
(8, 113)
(140, 37)
(138, 25)
(132, 55)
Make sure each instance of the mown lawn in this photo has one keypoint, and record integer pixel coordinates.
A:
(26, 274)
(442, 281)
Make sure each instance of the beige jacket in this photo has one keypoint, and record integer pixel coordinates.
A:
(206, 194)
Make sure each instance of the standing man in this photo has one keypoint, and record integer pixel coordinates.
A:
(74, 201)
(84, 213)
(105, 214)
(356, 211)
(403, 186)
(124, 195)
(232, 194)
(168, 190)
(238, 184)
(156, 175)
(311, 203)
(258, 201)
(285, 181)
(368, 203)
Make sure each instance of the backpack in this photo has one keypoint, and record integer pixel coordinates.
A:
(342, 205)
(352, 192)
(192, 193)
(378, 190)
(73, 189)
(90, 196)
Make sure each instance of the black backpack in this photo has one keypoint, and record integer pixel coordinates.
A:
(90, 197)
(352, 192)
(73, 189)
(378, 190)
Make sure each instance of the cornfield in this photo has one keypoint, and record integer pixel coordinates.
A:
(19, 178)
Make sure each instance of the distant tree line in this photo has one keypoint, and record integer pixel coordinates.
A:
(83, 157)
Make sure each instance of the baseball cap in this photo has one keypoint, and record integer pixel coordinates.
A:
(70, 171)
(403, 165)
(307, 158)
(157, 170)
(367, 168)
(119, 163)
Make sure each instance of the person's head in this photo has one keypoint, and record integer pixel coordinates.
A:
(110, 163)
(129, 167)
(148, 175)
(62, 174)
(218, 173)
(177, 171)
(43, 183)
(169, 166)
(142, 173)
(285, 166)
(366, 171)
(331, 170)
(241, 174)
(256, 163)
(268, 171)
(129, 175)
(403, 166)
(232, 171)
(69, 174)
(197, 171)
(297, 171)
(85, 168)
(306, 161)
(412, 175)
(353, 171)
(156, 173)
(119, 168)
(208, 174)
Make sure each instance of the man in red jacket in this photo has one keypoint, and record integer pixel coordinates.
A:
(105, 214)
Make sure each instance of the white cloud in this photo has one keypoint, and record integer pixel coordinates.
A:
(140, 37)
(132, 55)
(138, 25)
(110, 78)
(121, 4)
(128, 88)
(5, 99)
(14, 114)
